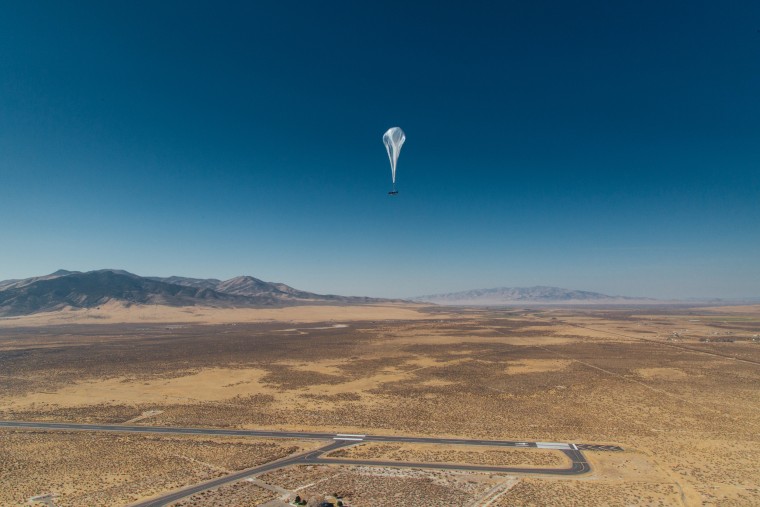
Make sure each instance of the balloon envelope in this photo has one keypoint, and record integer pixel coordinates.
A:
(394, 139)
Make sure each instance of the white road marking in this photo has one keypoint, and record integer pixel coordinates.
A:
(349, 438)
(553, 445)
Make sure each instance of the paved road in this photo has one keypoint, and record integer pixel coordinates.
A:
(213, 483)
(579, 465)
(125, 428)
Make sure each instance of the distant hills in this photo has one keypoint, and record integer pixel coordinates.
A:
(518, 295)
(77, 290)
(74, 289)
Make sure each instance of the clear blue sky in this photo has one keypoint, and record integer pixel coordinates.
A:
(609, 146)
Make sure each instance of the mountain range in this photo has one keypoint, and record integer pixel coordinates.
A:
(517, 295)
(74, 289)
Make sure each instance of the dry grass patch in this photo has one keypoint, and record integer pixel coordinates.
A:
(105, 469)
(211, 384)
(366, 486)
(487, 374)
(458, 454)
(119, 313)
(537, 366)
(662, 373)
(572, 493)
(237, 494)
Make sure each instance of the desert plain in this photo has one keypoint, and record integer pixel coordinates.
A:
(676, 387)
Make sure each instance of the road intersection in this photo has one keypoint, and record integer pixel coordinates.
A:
(574, 452)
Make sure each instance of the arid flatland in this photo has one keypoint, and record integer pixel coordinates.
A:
(677, 388)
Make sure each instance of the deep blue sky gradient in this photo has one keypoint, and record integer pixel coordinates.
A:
(610, 146)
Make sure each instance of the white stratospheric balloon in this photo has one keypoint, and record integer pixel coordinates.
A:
(394, 140)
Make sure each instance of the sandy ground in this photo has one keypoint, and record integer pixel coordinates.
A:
(108, 470)
(441, 453)
(212, 384)
(537, 366)
(117, 313)
(229, 385)
(686, 409)
(662, 373)
(745, 309)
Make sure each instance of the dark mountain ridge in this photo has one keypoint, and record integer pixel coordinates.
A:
(75, 289)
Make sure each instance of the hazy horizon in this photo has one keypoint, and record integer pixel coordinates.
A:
(412, 296)
(603, 147)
